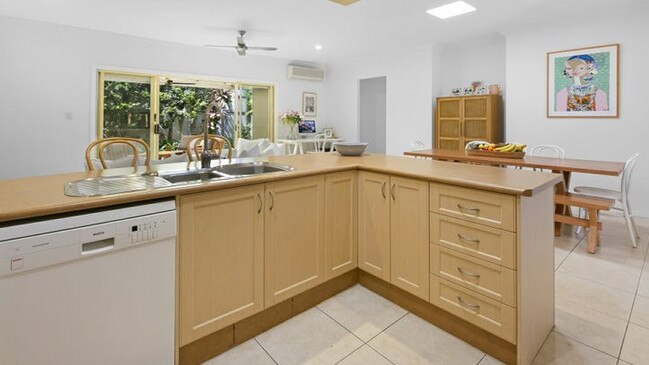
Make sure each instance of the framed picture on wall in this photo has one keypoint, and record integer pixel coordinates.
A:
(583, 82)
(309, 104)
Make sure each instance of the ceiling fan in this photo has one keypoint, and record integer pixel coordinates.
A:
(344, 2)
(241, 46)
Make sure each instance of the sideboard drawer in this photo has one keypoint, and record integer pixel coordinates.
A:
(488, 314)
(490, 244)
(494, 281)
(488, 208)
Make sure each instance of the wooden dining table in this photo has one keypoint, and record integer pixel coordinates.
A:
(564, 166)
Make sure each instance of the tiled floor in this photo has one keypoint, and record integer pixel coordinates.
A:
(602, 317)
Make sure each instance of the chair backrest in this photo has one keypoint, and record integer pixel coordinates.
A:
(120, 146)
(547, 150)
(417, 145)
(195, 146)
(626, 174)
(320, 142)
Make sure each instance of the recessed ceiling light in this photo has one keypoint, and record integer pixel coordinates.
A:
(451, 10)
(318, 47)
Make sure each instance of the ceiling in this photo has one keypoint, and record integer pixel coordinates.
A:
(295, 26)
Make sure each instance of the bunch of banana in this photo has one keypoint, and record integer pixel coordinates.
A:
(510, 147)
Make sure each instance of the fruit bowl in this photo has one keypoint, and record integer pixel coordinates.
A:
(501, 150)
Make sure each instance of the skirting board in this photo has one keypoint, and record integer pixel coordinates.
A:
(216, 343)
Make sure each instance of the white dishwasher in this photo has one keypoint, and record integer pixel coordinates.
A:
(96, 288)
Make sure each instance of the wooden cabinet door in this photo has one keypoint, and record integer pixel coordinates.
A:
(374, 224)
(341, 239)
(221, 256)
(409, 236)
(294, 237)
(449, 124)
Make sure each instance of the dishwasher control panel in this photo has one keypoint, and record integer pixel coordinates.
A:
(43, 250)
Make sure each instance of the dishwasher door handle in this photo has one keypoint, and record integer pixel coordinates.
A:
(97, 247)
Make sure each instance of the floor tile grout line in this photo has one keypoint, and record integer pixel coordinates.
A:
(569, 253)
(482, 358)
(266, 351)
(386, 328)
(582, 343)
(378, 352)
(635, 296)
(350, 354)
(340, 324)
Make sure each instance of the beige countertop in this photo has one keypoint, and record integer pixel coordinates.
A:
(44, 195)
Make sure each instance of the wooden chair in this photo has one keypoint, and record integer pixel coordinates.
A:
(195, 146)
(134, 146)
(593, 205)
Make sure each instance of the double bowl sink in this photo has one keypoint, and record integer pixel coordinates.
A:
(117, 184)
(231, 171)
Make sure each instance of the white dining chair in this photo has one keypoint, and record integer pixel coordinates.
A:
(546, 150)
(320, 143)
(621, 196)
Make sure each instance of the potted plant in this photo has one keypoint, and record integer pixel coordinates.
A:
(291, 119)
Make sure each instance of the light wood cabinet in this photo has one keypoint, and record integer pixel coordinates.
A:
(393, 230)
(374, 224)
(341, 238)
(220, 259)
(461, 119)
(294, 237)
(409, 235)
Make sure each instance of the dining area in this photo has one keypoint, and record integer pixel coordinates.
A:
(578, 206)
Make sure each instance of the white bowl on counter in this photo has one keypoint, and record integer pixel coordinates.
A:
(351, 148)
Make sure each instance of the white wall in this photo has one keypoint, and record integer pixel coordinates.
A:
(477, 59)
(600, 139)
(409, 96)
(48, 71)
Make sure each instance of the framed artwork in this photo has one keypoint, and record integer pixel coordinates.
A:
(583, 82)
(309, 104)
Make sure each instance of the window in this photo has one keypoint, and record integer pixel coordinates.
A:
(162, 110)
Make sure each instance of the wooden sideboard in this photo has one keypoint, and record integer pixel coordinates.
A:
(461, 119)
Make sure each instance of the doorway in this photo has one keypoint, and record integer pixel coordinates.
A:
(372, 113)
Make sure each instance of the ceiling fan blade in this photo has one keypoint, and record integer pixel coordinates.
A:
(213, 46)
(263, 48)
(344, 2)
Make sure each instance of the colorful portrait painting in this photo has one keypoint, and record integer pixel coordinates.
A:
(583, 83)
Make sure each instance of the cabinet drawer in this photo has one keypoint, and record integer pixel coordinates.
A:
(493, 281)
(491, 209)
(488, 314)
(494, 245)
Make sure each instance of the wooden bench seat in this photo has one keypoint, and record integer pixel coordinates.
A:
(593, 205)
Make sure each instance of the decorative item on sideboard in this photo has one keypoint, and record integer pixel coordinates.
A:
(494, 89)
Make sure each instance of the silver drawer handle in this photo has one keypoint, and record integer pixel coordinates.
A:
(468, 273)
(468, 305)
(465, 208)
(470, 240)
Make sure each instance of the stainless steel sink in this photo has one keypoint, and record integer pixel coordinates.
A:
(251, 168)
(192, 176)
(224, 172)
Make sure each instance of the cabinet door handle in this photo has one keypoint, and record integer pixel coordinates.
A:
(272, 200)
(383, 189)
(261, 203)
(468, 273)
(392, 192)
(470, 209)
(469, 240)
(475, 307)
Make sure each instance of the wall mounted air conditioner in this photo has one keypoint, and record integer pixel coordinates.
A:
(305, 73)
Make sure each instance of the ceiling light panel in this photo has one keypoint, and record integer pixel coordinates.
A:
(451, 10)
